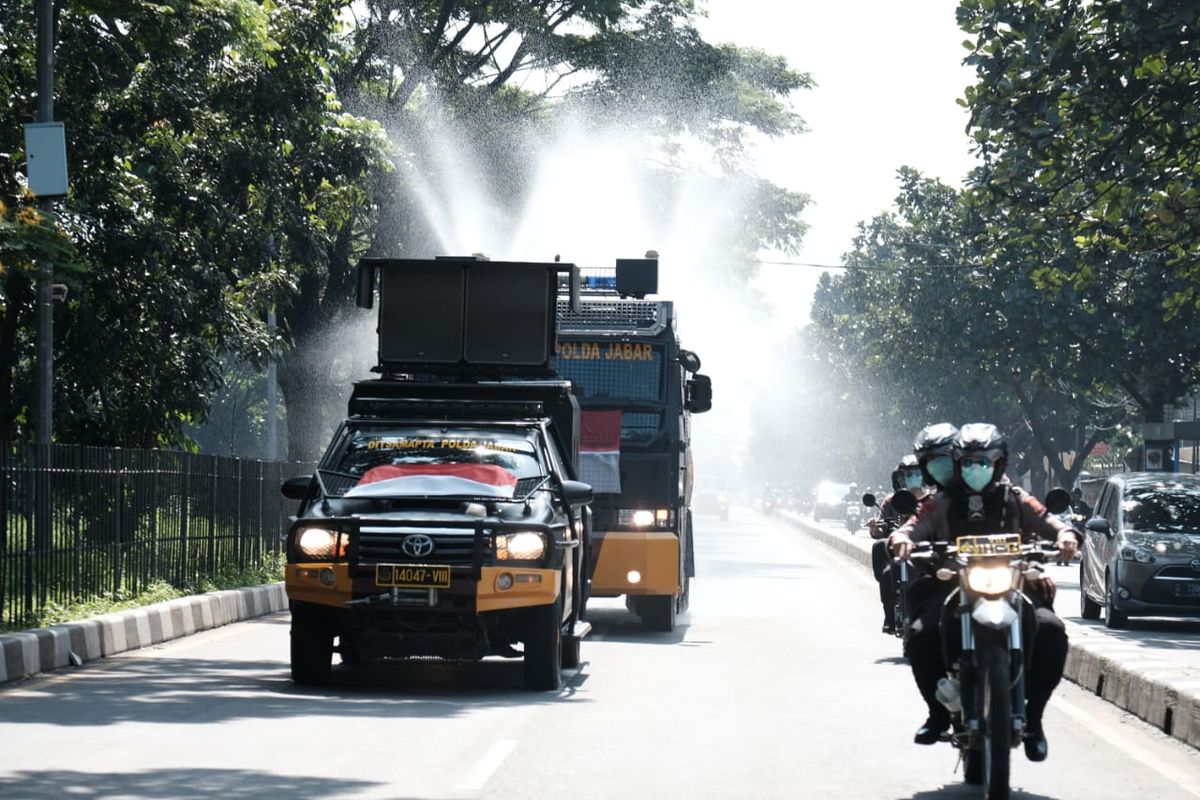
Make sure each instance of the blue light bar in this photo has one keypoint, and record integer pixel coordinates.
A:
(608, 282)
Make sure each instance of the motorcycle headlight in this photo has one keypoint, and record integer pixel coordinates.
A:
(319, 543)
(523, 546)
(991, 580)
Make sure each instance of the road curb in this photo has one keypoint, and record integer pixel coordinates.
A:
(1162, 693)
(73, 643)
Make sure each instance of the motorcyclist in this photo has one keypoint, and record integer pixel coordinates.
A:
(979, 501)
(907, 475)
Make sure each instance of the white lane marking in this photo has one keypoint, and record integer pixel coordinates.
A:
(1184, 780)
(486, 766)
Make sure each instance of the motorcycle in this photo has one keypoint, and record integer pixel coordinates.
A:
(901, 569)
(854, 516)
(986, 624)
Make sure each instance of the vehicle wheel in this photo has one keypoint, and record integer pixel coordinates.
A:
(657, 612)
(973, 767)
(543, 647)
(570, 651)
(685, 599)
(1088, 608)
(997, 723)
(312, 653)
(351, 655)
(1112, 617)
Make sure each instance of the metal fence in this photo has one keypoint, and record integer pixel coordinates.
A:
(77, 523)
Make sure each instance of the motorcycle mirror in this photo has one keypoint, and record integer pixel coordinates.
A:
(869, 500)
(905, 502)
(1057, 501)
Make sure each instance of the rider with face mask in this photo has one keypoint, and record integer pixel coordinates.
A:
(909, 476)
(982, 501)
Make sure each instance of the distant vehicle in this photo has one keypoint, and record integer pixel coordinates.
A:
(713, 504)
(830, 500)
(1141, 556)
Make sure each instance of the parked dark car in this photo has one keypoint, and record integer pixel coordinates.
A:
(1141, 556)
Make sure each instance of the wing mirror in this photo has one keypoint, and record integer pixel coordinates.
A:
(689, 360)
(296, 488)
(905, 502)
(699, 394)
(869, 500)
(1057, 501)
(577, 493)
(1099, 525)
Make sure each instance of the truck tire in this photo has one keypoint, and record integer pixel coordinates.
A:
(543, 647)
(657, 612)
(311, 653)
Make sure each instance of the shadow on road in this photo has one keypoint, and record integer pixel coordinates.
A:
(184, 784)
(955, 790)
(619, 625)
(1175, 634)
(185, 690)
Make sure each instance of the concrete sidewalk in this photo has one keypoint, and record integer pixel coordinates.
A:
(73, 643)
(1161, 692)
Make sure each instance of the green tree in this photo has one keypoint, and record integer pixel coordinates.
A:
(211, 167)
(502, 74)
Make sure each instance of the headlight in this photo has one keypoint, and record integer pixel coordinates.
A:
(990, 580)
(523, 546)
(319, 543)
(644, 518)
(1136, 554)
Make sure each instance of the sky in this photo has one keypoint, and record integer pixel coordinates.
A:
(888, 75)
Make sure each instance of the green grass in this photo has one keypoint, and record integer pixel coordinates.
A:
(269, 570)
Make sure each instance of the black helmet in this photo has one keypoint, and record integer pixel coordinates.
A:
(983, 442)
(981, 437)
(932, 442)
(936, 439)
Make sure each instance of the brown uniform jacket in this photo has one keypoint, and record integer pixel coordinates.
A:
(1006, 509)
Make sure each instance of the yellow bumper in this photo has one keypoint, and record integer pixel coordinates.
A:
(531, 587)
(304, 582)
(653, 555)
(331, 585)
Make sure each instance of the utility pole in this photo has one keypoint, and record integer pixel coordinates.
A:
(44, 381)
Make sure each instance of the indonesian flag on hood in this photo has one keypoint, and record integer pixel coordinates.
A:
(473, 480)
(600, 450)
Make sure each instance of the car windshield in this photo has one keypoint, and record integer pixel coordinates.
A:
(1163, 509)
(393, 461)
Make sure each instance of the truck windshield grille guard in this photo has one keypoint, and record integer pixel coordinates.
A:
(610, 316)
(462, 544)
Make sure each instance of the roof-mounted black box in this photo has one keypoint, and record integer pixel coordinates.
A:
(464, 315)
(637, 277)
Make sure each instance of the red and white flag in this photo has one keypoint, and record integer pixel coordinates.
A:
(600, 450)
(473, 480)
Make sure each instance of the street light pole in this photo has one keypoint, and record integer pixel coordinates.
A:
(44, 380)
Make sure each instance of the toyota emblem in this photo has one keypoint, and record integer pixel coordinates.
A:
(1196, 563)
(418, 545)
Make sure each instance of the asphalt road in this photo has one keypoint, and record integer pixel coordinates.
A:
(778, 684)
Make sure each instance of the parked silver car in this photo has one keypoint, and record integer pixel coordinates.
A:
(1142, 553)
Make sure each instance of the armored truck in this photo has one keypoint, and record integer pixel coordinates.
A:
(637, 388)
(445, 518)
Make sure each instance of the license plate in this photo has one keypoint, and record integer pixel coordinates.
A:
(412, 576)
(998, 544)
(1187, 590)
